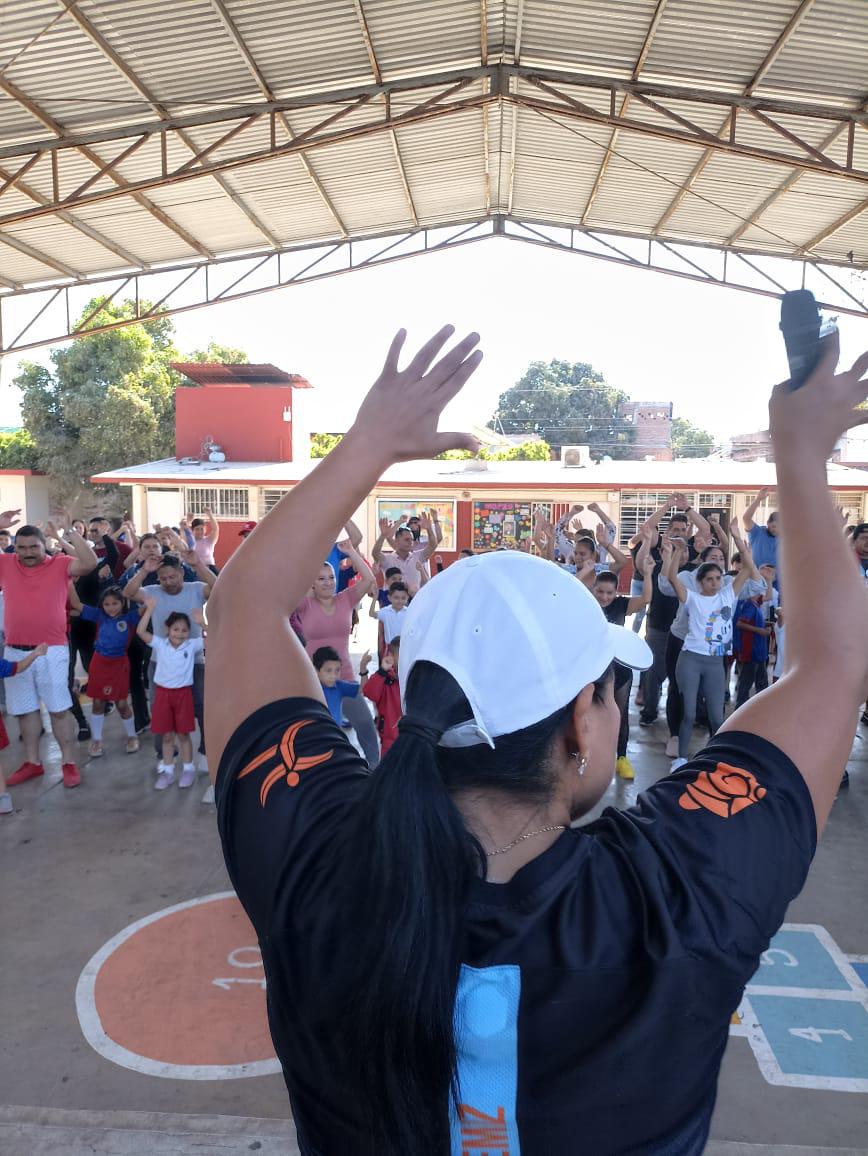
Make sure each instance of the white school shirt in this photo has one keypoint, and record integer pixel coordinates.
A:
(175, 663)
(392, 621)
(709, 622)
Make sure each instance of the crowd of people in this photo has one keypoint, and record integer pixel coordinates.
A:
(128, 611)
(454, 961)
(96, 600)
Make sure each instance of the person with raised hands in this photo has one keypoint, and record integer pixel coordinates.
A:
(438, 938)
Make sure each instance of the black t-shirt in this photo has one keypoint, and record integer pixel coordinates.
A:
(616, 611)
(597, 985)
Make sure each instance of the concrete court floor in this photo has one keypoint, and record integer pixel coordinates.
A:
(79, 866)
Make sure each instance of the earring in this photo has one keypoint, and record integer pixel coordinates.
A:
(581, 760)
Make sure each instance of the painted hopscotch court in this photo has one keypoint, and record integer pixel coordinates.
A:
(805, 1013)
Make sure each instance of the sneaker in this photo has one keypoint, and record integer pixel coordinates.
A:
(188, 778)
(624, 769)
(132, 746)
(25, 771)
(208, 797)
(109, 707)
(83, 734)
(677, 764)
(96, 751)
(164, 780)
(6, 807)
(645, 721)
(672, 747)
(71, 776)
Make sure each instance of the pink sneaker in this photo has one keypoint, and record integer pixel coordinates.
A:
(187, 779)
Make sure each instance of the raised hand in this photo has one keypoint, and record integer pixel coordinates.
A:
(365, 662)
(602, 533)
(648, 566)
(387, 528)
(52, 531)
(403, 407)
(8, 519)
(345, 546)
(152, 565)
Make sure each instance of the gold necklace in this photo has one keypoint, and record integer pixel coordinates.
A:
(521, 838)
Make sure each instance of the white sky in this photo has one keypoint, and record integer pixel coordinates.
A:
(714, 352)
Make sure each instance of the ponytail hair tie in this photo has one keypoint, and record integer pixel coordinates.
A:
(411, 726)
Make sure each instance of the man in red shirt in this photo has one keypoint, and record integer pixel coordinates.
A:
(36, 587)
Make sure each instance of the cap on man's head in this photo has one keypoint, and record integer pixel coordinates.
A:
(520, 636)
(246, 528)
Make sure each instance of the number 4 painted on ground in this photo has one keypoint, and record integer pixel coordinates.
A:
(815, 1035)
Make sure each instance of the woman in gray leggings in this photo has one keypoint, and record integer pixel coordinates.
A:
(700, 666)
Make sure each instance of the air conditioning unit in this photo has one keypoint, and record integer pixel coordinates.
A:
(575, 456)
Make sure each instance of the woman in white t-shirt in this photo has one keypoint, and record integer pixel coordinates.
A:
(700, 668)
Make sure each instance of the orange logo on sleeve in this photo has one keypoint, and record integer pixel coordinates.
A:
(724, 791)
(290, 766)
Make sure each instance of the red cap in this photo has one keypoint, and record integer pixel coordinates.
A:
(246, 527)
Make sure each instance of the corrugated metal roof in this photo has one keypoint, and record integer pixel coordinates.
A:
(97, 67)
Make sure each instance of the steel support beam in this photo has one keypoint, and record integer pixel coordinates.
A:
(391, 247)
(95, 36)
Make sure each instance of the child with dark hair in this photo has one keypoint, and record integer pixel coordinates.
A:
(173, 716)
(327, 664)
(392, 574)
(109, 670)
(384, 692)
(391, 616)
(750, 646)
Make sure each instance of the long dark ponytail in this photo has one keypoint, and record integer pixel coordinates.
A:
(407, 864)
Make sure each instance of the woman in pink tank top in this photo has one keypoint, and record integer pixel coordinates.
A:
(326, 620)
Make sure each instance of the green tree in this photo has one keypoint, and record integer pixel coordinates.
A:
(17, 451)
(566, 404)
(689, 441)
(323, 443)
(215, 352)
(108, 402)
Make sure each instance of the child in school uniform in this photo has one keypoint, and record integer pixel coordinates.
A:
(390, 617)
(172, 715)
(109, 674)
(9, 670)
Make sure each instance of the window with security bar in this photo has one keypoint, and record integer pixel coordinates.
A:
(637, 506)
(224, 501)
(268, 499)
(849, 503)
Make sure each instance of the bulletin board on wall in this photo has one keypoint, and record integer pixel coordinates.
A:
(496, 524)
(400, 509)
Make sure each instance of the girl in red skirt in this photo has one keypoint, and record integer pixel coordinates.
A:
(172, 715)
(108, 679)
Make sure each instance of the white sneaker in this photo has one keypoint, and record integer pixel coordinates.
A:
(672, 748)
(188, 777)
(203, 765)
(677, 764)
(208, 797)
(164, 780)
(6, 807)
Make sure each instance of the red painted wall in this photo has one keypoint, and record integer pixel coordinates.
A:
(247, 422)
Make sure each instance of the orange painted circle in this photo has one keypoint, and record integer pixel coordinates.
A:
(182, 990)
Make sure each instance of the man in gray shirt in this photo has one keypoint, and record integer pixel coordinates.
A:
(174, 594)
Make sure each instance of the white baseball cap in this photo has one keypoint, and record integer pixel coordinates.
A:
(519, 635)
